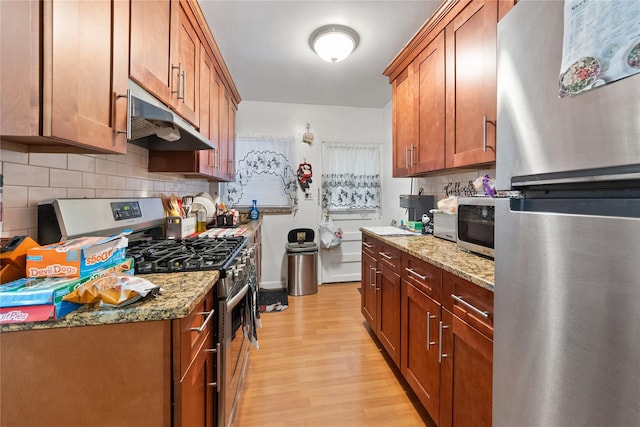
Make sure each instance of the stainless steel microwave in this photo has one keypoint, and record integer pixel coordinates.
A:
(476, 224)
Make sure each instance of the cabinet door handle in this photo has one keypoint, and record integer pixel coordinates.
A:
(216, 350)
(484, 314)
(184, 85)
(411, 163)
(485, 144)
(180, 80)
(382, 254)
(204, 324)
(429, 342)
(367, 245)
(406, 157)
(440, 354)
(484, 133)
(377, 272)
(127, 131)
(372, 277)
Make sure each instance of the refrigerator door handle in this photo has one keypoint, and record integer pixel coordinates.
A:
(484, 314)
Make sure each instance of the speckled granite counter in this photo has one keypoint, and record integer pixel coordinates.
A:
(181, 293)
(445, 255)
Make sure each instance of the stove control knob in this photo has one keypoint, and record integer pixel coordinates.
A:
(238, 275)
(242, 266)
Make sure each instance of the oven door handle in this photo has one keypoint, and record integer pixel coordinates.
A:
(237, 298)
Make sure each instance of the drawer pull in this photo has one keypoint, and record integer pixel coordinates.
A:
(217, 352)
(440, 353)
(419, 276)
(484, 314)
(368, 245)
(382, 254)
(204, 324)
(429, 342)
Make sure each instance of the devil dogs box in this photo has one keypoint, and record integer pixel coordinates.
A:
(37, 299)
(76, 257)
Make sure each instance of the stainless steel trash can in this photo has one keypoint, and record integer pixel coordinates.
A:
(302, 260)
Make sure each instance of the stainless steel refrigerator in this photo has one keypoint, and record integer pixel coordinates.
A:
(567, 247)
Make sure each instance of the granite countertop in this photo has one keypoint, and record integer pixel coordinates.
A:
(182, 292)
(445, 255)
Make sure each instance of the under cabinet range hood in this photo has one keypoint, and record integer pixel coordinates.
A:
(154, 126)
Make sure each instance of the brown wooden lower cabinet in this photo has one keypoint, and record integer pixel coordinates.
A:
(194, 367)
(466, 375)
(444, 341)
(420, 346)
(388, 316)
(126, 374)
(381, 295)
(368, 288)
(195, 394)
(467, 368)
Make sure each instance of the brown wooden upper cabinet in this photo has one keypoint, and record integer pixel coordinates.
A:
(62, 71)
(429, 69)
(471, 40)
(444, 89)
(165, 54)
(197, 84)
(403, 123)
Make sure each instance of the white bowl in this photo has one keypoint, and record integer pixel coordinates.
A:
(200, 202)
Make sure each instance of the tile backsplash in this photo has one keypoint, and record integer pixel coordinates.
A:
(456, 183)
(31, 178)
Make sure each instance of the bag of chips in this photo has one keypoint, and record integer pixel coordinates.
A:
(115, 290)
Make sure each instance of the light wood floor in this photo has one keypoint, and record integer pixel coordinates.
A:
(319, 366)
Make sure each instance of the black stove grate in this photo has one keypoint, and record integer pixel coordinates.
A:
(177, 255)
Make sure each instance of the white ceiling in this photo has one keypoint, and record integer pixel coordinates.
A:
(265, 45)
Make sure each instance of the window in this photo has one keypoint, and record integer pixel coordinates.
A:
(351, 176)
(263, 173)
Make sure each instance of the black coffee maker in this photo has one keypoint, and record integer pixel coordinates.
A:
(417, 206)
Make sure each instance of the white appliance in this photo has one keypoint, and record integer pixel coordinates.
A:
(567, 281)
(445, 225)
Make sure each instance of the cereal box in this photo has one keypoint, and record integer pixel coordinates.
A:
(76, 257)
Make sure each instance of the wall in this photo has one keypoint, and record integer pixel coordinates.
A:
(30, 178)
(437, 184)
(328, 123)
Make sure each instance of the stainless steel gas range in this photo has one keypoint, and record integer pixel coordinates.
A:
(236, 291)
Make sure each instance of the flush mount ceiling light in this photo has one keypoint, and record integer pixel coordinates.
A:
(334, 43)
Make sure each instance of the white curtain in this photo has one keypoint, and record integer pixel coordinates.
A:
(351, 176)
(264, 173)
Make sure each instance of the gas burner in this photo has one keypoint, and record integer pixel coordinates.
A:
(177, 255)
